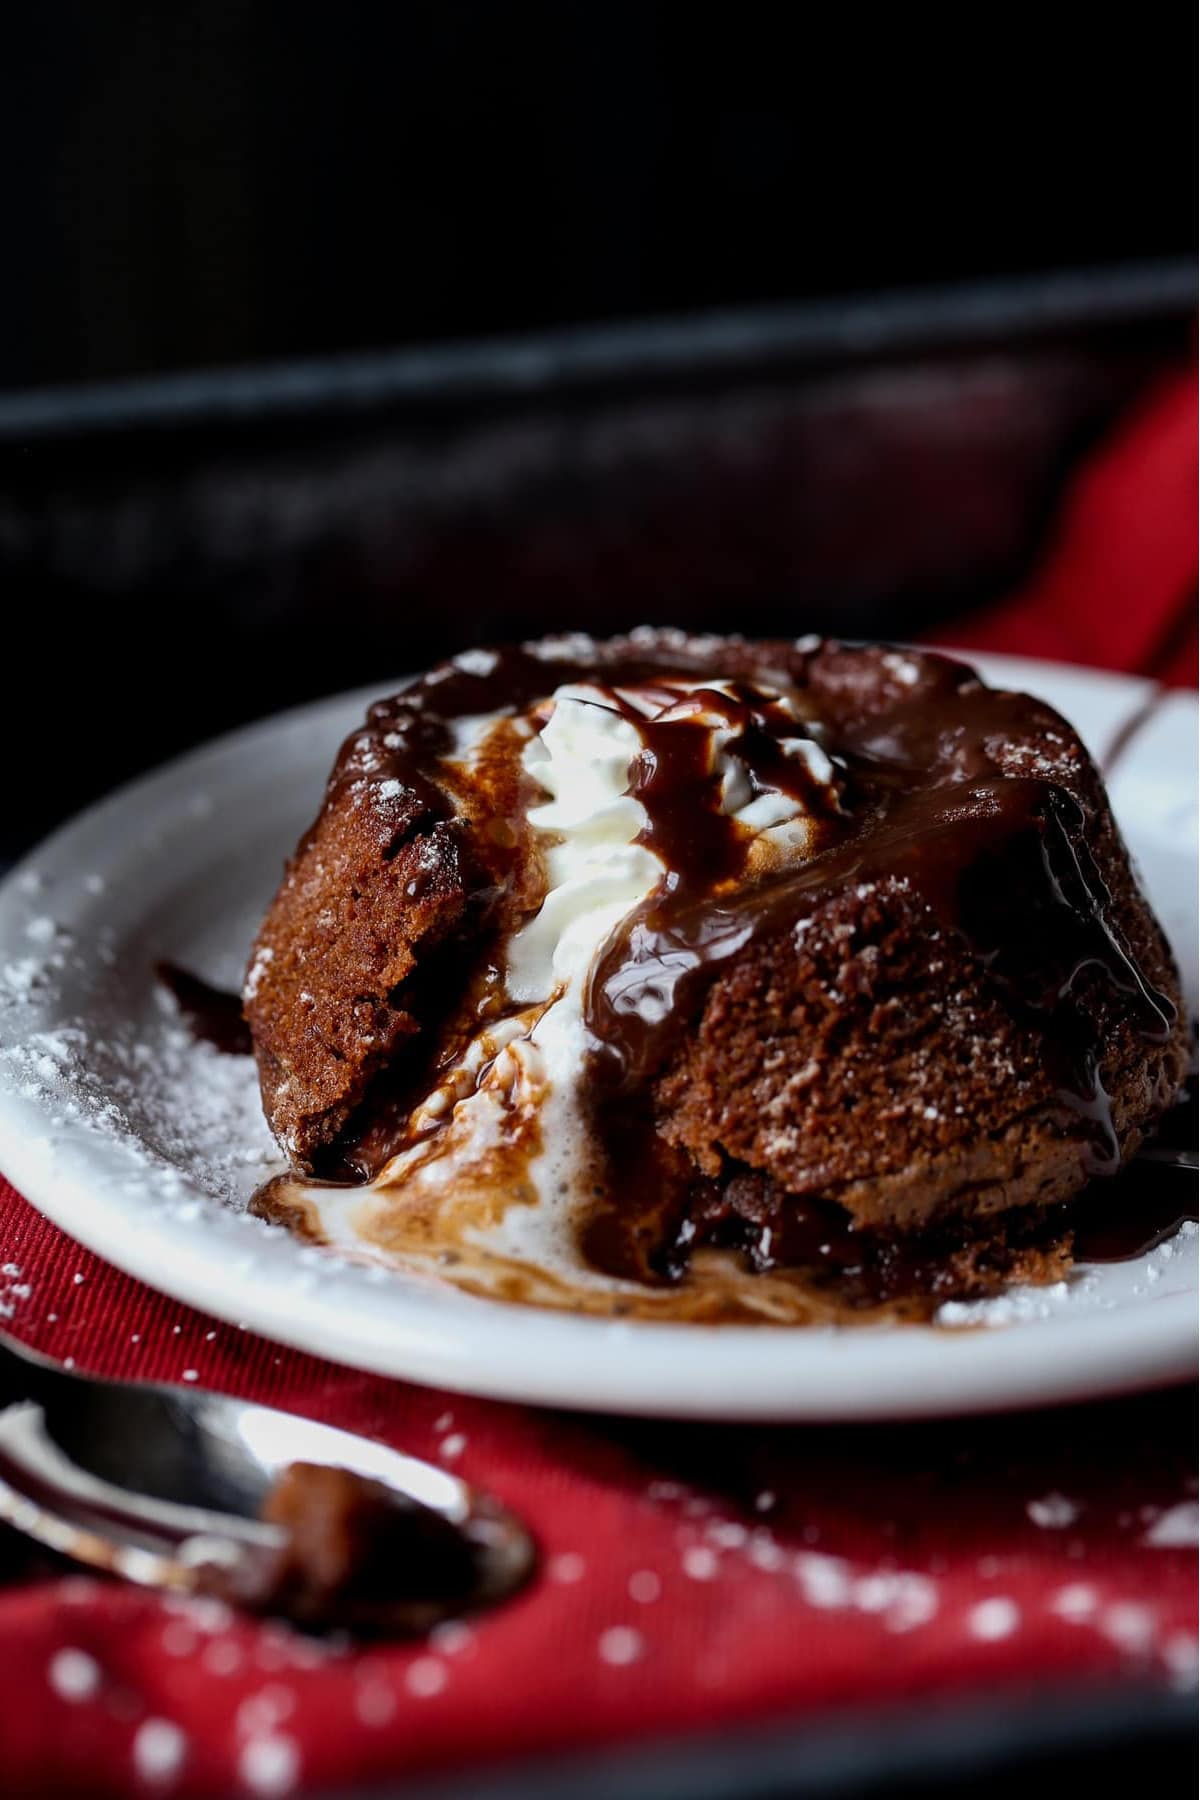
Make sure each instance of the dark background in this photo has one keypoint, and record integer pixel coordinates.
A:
(214, 181)
(198, 185)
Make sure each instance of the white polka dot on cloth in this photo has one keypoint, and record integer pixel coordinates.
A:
(425, 1677)
(374, 1703)
(269, 1764)
(74, 1675)
(159, 1750)
(644, 1586)
(993, 1619)
(620, 1645)
(700, 1563)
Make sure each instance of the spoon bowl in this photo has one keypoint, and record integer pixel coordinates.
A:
(175, 1488)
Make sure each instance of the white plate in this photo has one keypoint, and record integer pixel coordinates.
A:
(145, 1148)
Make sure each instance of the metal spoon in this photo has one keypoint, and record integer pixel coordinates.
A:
(165, 1487)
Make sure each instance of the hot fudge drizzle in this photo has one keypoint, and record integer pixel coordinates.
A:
(921, 797)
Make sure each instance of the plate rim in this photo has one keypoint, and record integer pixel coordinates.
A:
(942, 1373)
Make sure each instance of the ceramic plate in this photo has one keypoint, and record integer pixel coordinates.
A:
(145, 1146)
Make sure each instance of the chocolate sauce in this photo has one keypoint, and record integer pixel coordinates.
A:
(1126, 1218)
(937, 791)
(392, 753)
(657, 1220)
(213, 1016)
(928, 809)
(702, 847)
(403, 732)
(358, 1553)
(652, 1227)
(1121, 1220)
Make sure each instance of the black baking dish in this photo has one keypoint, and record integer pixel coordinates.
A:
(182, 555)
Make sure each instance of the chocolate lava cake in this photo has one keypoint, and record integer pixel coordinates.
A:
(873, 969)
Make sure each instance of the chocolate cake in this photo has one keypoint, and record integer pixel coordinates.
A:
(838, 951)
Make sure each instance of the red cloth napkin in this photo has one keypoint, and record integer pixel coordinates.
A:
(1116, 587)
(691, 1577)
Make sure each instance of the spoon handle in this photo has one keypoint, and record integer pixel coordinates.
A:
(157, 1543)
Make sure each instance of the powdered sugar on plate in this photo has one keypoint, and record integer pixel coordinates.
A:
(143, 1079)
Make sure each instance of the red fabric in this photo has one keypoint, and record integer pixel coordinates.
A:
(691, 1577)
(1117, 585)
(771, 1613)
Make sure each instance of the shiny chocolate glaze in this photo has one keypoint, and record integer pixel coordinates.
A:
(999, 859)
(924, 795)
(1118, 1221)
(926, 806)
(925, 802)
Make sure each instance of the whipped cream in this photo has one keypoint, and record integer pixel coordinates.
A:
(521, 1084)
(596, 870)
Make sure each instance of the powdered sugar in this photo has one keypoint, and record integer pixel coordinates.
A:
(1018, 1306)
(700, 1563)
(644, 1586)
(185, 1103)
(263, 958)
(14, 1289)
(567, 1567)
(1076, 1602)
